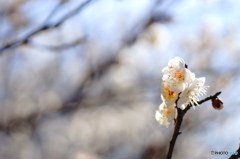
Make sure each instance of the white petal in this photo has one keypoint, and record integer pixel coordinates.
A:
(177, 62)
(157, 115)
(189, 76)
(165, 115)
(201, 81)
(168, 95)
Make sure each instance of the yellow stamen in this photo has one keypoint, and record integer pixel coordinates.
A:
(167, 111)
(179, 76)
(171, 93)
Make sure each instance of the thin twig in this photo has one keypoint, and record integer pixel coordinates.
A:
(59, 47)
(52, 13)
(202, 101)
(45, 26)
(179, 120)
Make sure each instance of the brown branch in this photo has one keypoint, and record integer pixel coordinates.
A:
(202, 101)
(179, 120)
(236, 156)
(176, 131)
(45, 26)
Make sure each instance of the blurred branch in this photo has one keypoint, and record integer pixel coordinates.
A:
(19, 123)
(131, 37)
(77, 97)
(60, 47)
(11, 7)
(236, 156)
(45, 26)
(179, 120)
(161, 17)
(72, 103)
(52, 13)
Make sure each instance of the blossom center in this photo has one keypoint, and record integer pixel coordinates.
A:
(179, 76)
(170, 94)
(167, 111)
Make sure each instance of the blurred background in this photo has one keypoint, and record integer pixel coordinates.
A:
(81, 79)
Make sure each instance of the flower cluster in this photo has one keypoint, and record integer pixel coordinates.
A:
(179, 84)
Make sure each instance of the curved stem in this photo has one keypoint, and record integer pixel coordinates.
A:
(175, 133)
(179, 120)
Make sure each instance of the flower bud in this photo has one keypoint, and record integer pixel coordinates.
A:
(217, 103)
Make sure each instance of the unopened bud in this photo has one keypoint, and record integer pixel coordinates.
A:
(217, 103)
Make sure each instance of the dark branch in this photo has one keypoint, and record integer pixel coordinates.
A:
(179, 120)
(202, 101)
(236, 156)
(45, 26)
(176, 130)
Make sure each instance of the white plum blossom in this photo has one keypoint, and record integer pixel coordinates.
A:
(165, 115)
(179, 83)
(177, 79)
(191, 93)
(168, 96)
(175, 70)
(176, 76)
